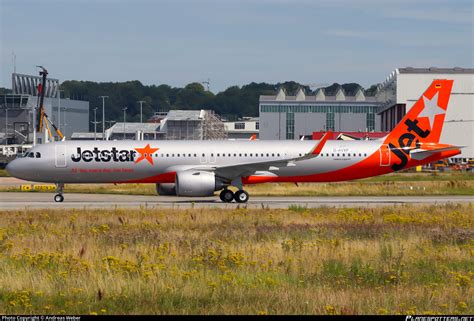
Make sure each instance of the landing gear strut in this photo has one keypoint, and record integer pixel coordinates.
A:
(58, 198)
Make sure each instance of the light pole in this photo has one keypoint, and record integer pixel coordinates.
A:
(154, 119)
(64, 121)
(59, 108)
(103, 115)
(124, 117)
(141, 110)
(6, 125)
(95, 123)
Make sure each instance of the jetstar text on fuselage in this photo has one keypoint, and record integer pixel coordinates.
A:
(104, 155)
(405, 141)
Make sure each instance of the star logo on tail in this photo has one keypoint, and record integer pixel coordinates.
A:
(431, 109)
(145, 153)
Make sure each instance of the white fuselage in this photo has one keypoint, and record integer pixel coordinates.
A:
(112, 161)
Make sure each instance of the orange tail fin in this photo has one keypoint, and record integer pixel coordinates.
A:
(422, 125)
(424, 122)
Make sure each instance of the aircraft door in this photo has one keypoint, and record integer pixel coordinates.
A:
(384, 155)
(60, 156)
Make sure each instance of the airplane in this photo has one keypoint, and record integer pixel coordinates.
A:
(200, 168)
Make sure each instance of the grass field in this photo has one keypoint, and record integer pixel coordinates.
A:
(395, 184)
(404, 260)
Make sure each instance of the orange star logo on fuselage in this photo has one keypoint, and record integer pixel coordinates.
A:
(145, 153)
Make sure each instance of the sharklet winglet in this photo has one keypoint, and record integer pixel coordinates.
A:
(319, 147)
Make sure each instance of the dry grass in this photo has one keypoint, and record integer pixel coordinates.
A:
(326, 261)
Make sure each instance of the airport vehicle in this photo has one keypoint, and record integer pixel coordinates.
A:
(199, 168)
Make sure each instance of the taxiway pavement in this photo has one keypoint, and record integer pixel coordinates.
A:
(24, 200)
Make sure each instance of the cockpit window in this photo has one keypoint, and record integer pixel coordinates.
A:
(31, 155)
(38, 155)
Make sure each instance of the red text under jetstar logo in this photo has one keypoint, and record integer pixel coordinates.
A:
(145, 153)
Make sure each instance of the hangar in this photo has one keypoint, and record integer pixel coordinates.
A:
(290, 117)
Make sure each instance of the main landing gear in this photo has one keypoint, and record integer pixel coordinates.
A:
(240, 196)
(58, 198)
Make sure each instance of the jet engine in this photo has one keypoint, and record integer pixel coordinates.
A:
(168, 189)
(195, 183)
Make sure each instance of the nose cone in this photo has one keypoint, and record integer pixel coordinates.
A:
(17, 168)
(12, 168)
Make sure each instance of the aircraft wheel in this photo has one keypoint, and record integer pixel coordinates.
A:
(58, 198)
(241, 196)
(226, 195)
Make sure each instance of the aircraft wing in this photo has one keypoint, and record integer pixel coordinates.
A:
(230, 172)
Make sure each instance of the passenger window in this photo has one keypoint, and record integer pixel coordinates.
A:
(167, 155)
(195, 155)
(278, 155)
(365, 154)
(245, 155)
(327, 154)
(240, 155)
(273, 155)
(235, 155)
(268, 155)
(203, 155)
(218, 155)
(337, 155)
(360, 154)
(343, 155)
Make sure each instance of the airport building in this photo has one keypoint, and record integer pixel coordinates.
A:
(404, 86)
(16, 111)
(290, 117)
(173, 125)
(193, 125)
(243, 129)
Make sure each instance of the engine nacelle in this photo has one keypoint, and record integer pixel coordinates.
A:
(168, 189)
(195, 183)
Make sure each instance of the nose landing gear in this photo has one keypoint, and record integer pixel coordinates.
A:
(58, 198)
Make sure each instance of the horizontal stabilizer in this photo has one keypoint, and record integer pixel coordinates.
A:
(420, 154)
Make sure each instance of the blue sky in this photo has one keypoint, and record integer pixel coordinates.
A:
(233, 42)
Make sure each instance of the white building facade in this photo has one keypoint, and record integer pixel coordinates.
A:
(291, 117)
(242, 129)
